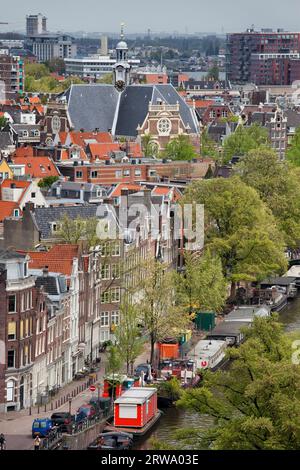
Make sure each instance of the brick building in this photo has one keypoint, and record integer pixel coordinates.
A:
(23, 330)
(261, 56)
(11, 77)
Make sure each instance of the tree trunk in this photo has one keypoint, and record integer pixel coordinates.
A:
(152, 339)
(232, 291)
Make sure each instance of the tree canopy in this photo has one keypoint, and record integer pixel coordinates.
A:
(239, 228)
(158, 312)
(255, 404)
(244, 139)
(293, 152)
(277, 186)
(202, 286)
(180, 148)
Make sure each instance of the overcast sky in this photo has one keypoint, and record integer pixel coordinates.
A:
(158, 15)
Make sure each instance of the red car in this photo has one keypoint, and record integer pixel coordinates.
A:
(85, 411)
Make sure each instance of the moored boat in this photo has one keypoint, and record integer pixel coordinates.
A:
(208, 354)
(135, 411)
(114, 440)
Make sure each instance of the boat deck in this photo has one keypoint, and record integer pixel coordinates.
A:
(135, 431)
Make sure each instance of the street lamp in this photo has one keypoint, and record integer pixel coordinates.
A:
(70, 403)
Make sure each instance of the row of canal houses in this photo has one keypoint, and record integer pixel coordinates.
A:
(59, 303)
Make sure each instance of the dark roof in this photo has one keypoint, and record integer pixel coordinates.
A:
(278, 281)
(133, 109)
(227, 328)
(207, 84)
(5, 140)
(7, 255)
(293, 118)
(43, 216)
(49, 283)
(92, 106)
(103, 107)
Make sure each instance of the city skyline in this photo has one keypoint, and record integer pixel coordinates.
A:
(219, 17)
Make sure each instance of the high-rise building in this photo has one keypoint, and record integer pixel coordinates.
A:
(12, 76)
(36, 24)
(49, 46)
(104, 46)
(261, 57)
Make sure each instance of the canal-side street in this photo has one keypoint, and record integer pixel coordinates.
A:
(175, 419)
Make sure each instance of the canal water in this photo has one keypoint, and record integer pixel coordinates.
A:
(175, 419)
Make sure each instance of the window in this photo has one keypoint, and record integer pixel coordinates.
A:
(21, 329)
(78, 174)
(11, 330)
(115, 317)
(94, 174)
(164, 126)
(105, 297)
(11, 358)
(11, 303)
(16, 212)
(126, 172)
(104, 335)
(115, 271)
(115, 249)
(105, 271)
(115, 294)
(54, 227)
(33, 195)
(152, 173)
(25, 133)
(118, 174)
(10, 390)
(137, 172)
(104, 319)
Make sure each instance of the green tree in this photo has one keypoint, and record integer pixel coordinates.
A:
(243, 140)
(3, 122)
(202, 286)
(214, 72)
(293, 152)
(128, 336)
(158, 312)
(256, 403)
(36, 71)
(277, 186)
(56, 65)
(208, 147)
(239, 228)
(180, 148)
(106, 79)
(148, 146)
(47, 181)
(73, 230)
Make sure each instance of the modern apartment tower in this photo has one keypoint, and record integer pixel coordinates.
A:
(36, 24)
(265, 57)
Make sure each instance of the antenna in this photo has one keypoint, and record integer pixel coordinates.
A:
(122, 31)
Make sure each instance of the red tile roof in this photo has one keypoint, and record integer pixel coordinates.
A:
(37, 167)
(58, 259)
(7, 209)
(79, 138)
(117, 191)
(102, 151)
(26, 151)
(18, 184)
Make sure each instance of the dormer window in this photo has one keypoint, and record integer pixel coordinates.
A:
(54, 227)
(16, 212)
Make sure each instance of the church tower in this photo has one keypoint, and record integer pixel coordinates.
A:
(122, 68)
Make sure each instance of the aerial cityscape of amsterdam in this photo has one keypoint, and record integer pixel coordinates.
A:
(149, 229)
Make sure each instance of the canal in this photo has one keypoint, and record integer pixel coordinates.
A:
(175, 419)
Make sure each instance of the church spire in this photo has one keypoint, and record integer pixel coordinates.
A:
(122, 36)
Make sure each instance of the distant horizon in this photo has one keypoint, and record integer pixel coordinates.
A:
(168, 17)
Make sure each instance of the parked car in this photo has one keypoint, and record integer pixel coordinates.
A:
(112, 441)
(85, 411)
(41, 427)
(141, 368)
(64, 420)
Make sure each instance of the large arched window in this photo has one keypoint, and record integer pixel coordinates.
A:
(10, 390)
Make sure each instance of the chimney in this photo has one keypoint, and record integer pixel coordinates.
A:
(45, 271)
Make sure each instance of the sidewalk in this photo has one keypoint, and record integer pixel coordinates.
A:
(16, 426)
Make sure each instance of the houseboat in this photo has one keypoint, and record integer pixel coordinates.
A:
(247, 313)
(229, 331)
(135, 411)
(208, 354)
